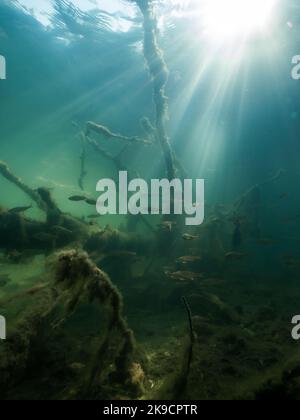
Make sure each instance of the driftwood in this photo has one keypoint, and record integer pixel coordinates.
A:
(19, 232)
(159, 74)
(60, 229)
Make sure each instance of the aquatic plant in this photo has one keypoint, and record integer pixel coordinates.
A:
(190, 348)
(73, 280)
(77, 276)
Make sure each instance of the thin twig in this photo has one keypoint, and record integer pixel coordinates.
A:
(106, 133)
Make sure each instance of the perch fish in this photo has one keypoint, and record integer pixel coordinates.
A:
(188, 237)
(188, 259)
(77, 198)
(184, 276)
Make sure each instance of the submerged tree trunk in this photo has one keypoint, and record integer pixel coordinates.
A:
(159, 74)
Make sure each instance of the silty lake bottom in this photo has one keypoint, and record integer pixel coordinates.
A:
(120, 307)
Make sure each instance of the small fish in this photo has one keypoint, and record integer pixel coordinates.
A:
(93, 216)
(188, 237)
(75, 124)
(184, 276)
(119, 255)
(188, 259)
(291, 262)
(17, 210)
(235, 256)
(283, 195)
(167, 225)
(77, 198)
(122, 254)
(60, 230)
(91, 201)
(77, 366)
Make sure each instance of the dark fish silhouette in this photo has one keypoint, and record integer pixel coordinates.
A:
(17, 210)
(235, 255)
(188, 259)
(166, 225)
(60, 230)
(188, 237)
(77, 198)
(184, 276)
(91, 201)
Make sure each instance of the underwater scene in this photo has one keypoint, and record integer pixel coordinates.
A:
(149, 200)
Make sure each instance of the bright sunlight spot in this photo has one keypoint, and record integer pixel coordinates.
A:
(225, 19)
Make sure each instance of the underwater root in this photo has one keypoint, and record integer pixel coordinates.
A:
(78, 277)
